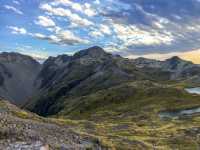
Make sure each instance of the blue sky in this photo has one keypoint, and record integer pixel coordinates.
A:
(132, 28)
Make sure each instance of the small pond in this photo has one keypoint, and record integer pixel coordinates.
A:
(179, 113)
(184, 112)
(193, 90)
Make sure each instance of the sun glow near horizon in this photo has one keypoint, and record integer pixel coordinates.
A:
(193, 56)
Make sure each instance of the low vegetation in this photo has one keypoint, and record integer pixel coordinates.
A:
(126, 116)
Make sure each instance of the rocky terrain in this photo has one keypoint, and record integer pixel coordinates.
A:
(23, 130)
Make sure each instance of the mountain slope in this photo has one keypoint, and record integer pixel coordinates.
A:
(93, 69)
(87, 71)
(127, 116)
(17, 76)
(20, 129)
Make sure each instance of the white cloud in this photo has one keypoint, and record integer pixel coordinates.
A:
(64, 2)
(16, 2)
(45, 21)
(112, 47)
(96, 34)
(100, 31)
(50, 38)
(73, 18)
(105, 29)
(97, 2)
(39, 35)
(88, 10)
(55, 29)
(63, 37)
(83, 8)
(17, 30)
(38, 53)
(67, 37)
(13, 9)
(132, 35)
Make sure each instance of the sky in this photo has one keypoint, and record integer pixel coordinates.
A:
(156, 29)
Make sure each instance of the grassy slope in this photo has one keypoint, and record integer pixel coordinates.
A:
(126, 116)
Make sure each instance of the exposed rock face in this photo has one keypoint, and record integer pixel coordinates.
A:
(17, 76)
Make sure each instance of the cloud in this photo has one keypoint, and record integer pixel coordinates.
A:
(12, 8)
(87, 10)
(67, 37)
(72, 17)
(113, 47)
(84, 8)
(63, 37)
(37, 53)
(96, 34)
(16, 2)
(17, 30)
(163, 27)
(105, 29)
(100, 31)
(131, 35)
(55, 29)
(97, 2)
(127, 27)
(45, 21)
(39, 35)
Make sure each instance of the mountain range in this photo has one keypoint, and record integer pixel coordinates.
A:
(105, 91)
(23, 79)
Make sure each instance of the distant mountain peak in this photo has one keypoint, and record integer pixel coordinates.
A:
(144, 59)
(58, 60)
(175, 58)
(94, 51)
(13, 54)
(96, 47)
(11, 57)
